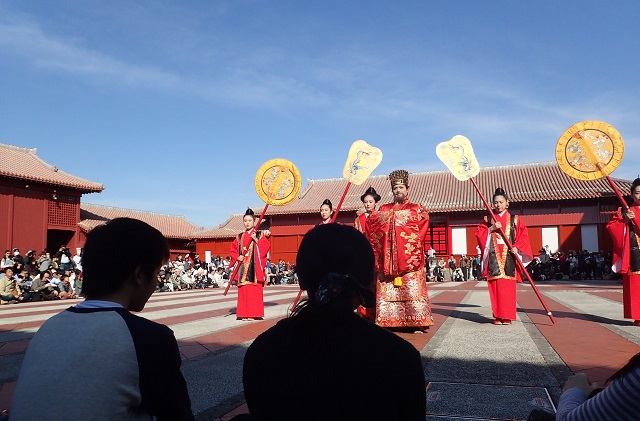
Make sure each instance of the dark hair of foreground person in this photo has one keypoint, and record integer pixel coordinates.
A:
(325, 362)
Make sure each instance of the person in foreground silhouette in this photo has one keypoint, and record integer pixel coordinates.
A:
(331, 364)
(119, 365)
(620, 400)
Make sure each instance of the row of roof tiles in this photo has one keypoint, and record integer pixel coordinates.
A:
(440, 191)
(172, 226)
(24, 164)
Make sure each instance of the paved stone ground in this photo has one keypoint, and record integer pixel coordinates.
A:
(474, 370)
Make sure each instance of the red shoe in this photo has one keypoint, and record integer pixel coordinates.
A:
(497, 322)
(636, 322)
(506, 321)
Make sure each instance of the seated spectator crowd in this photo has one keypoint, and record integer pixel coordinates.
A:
(43, 278)
(192, 273)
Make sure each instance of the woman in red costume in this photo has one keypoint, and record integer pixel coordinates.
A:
(498, 264)
(369, 199)
(326, 212)
(250, 250)
(626, 255)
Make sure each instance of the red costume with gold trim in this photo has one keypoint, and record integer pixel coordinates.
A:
(251, 275)
(397, 233)
(361, 222)
(626, 260)
(499, 265)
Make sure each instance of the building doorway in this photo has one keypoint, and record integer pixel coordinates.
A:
(57, 238)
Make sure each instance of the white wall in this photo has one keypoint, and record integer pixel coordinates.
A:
(550, 238)
(459, 240)
(589, 237)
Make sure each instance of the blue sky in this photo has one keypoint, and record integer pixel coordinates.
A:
(174, 105)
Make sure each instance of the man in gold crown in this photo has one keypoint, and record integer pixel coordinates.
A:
(397, 232)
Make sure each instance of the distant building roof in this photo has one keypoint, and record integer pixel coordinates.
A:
(171, 226)
(24, 164)
(440, 191)
(229, 228)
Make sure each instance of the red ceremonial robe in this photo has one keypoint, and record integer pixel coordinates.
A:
(622, 262)
(361, 224)
(397, 233)
(498, 265)
(251, 275)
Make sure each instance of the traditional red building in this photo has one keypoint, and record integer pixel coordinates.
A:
(176, 229)
(562, 212)
(39, 203)
(40, 207)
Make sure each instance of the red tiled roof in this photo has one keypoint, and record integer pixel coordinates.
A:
(171, 226)
(24, 164)
(440, 191)
(229, 228)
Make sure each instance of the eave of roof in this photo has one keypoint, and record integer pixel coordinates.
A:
(24, 164)
(171, 226)
(439, 191)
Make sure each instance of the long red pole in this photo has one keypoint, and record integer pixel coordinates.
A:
(636, 221)
(236, 266)
(523, 270)
(335, 214)
(295, 302)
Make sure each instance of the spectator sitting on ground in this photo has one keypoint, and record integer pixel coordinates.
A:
(56, 279)
(187, 263)
(620, 400)
(200, 277)
(43, 262)
(77, 287)
(23, 282)
(17, 257)
(197, 263)
(129, 366)
(41, 287)
(77, 259)
(179, 263)
(163, 283)
(30, 262)
(7, 261)
(55, 264)
(187, 279)
(65, 288)
(334, 347)
(174, 278)
(225, 263)
(9, 291)
(218, 279)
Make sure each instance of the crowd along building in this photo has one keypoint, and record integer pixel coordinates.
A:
(40, 208)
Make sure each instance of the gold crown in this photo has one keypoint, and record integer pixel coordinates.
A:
(399, 177)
